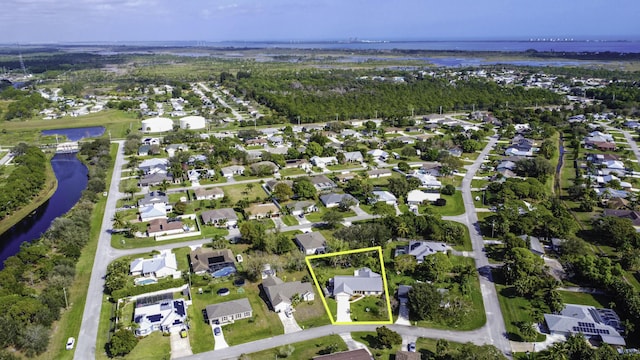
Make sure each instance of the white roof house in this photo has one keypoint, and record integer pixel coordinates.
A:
(417, 197)
(192, 122)
(153, 166)
(323, 161)
(427, 181)
(157, 124)
(421, 249)
(353, 156)
(161, 265)
(166, 316)
(151, 212)
(599, 324)
(379, 154)
(384, 196)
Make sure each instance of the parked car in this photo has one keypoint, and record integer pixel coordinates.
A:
(216, 331)
(412, 347)
(70, 343)
(183, 333)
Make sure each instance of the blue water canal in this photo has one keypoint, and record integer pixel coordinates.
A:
(71, 174)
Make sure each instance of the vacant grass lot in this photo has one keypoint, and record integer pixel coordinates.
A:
(251, 192)
(514, 310)
(304, 349)
(599, 301)
(454, 206)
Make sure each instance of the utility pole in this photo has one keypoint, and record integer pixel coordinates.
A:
(440, 109)
(65, 298)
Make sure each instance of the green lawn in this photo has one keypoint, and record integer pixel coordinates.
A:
(119, 241)
(515, 309)
(377, 310)
(312, 314)
(304, 349)
(466, 240)
(251, 192)
(290, 172)
(454, 206)
(152, 347)
(289, 220)
(599, 301)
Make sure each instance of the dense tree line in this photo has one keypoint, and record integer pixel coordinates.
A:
(23, 105)
(32, 282)
(320, 95)
(26, 181)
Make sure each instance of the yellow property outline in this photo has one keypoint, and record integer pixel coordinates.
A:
(384, 282)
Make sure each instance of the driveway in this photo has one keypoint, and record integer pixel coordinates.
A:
(289, 323)
(179, 347)
(352, 344)
(303, 220)
(358, 211)
(344, 308)
(220, 342)
(403, 314)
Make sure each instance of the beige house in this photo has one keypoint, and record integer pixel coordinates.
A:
(261, 211)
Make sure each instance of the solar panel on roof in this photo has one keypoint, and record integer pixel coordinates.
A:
(155, 317)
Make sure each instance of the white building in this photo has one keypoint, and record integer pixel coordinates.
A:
(192, 122)
(161, 265)
(157, 124)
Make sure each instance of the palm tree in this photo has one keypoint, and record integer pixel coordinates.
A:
(557, 351)
(402, 229)
(118, 220)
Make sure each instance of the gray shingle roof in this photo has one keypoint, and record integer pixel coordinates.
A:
(228, 308)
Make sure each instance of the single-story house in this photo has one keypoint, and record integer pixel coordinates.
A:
(280, 293)
(271, 184)
(324, 161)
(322, 183)
(261, 211)
(153, 198)
(151, 212)
(174, 148)
(359, 354)
(159, 266)
(258, 141)
(345, 177)
(162, 227)
(228, 311)
(364, 282)
(231, 171)
(384, 196)
(418, 197)
(353, 156)
(408, 355)
(143, 150)
(534, 244)
(220, 217)
(208, 194)
(421, 249)
(427, 181)
(152, 166)
(297, 164)
(301, 207)
(166, 316)
(597, 324)
(311, 243)
(264, 167)
(457, 152)
(379, 154)
(378, 173)
(333, 199)
(155, 179)
(204, 260)
(632, 215)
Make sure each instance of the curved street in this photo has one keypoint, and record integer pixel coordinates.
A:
(493, 332)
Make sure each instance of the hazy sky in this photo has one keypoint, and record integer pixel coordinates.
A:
(27, 21)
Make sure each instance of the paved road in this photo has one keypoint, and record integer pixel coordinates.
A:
(495, 323)
(219, 98)
(86, 344)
